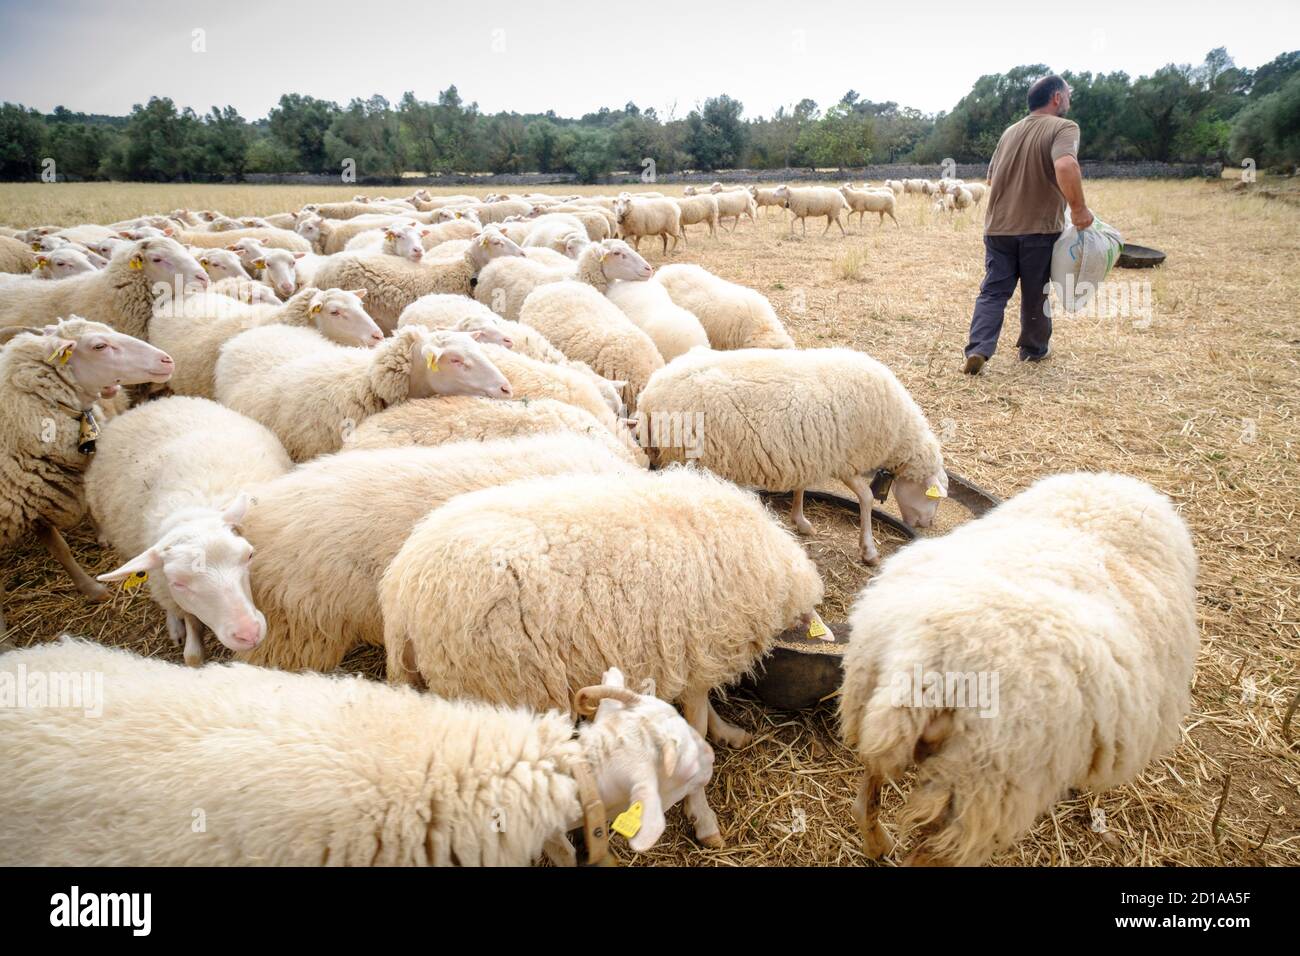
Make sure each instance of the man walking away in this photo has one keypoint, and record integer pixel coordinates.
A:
(1034, 169)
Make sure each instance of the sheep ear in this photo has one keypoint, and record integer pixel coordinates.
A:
(613, 678)
(937, 486)
(299, 255)
(477, 334)
(237, 509)
(668, 759)
(359, 293)
(146, 561)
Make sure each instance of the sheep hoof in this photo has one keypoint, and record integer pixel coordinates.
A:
(731, 736)
(877, 843)
(803, 525)
(713, 841)
(95, 592)
(871, 558)
(193, 658)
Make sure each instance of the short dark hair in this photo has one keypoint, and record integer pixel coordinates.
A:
(1042, 91)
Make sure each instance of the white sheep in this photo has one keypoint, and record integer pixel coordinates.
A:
(977, 191)
(530, 378)
(733, 316)
(62, 263)
(273, 238)
(16, 257)
(505, 284)
(895, 186)
(586, 326)
(816, 201)
(121, 295)
(194, 329)
(673, 329)
(224, 263)
(311, 392)
(308, 770)
(1049, 645)
(316, 578)
(397, 239)
(638, 218)
(863, 201)
(790, 419)
(551, 231)
(166, 489)
(766, 196)
(678, 572)
(697, 209)
(51, 381)
(734, 203)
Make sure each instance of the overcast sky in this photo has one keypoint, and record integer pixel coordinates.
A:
(576, 56)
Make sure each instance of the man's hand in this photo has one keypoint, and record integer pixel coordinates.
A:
(1082, 218)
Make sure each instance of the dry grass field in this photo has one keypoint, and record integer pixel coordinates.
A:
(1199, 398)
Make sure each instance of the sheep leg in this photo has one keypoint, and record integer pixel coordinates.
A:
(866, 811)
(54, 543)
(893, 217)
(840, 224)
(193, 641)
(663, 237)
(175, 628)
(796, 513)
(862, 488)
(829, 220)
(703, 819)
(560, 851)
(722, 732)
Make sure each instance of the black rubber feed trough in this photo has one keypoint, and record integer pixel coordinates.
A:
(802, 670)
(1139, 257)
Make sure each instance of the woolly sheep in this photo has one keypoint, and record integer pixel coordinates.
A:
(223, 263)
(195, 330)
(672, 329)
(438, 421)
(402, 240)
(166, 489)
(446, 231)
(274, 238)
(733, 316)
(680, 573)
(961, 197)
(330, 236)
(764, 197)
(247, 291)
(290, 776)
(350, 210)
(15, 257)
(63, 263)
(734, 203)
(976, 190)
(530, 378)
(552, 231)
(277, 268)
(648, 217)
(895, 186)
(1079, 597)
(863, 201)
(310, 392)
(789, 419)
(697, 209)
(585, 325)
(504, 285)
(121, 295)
(51, 381)
(319, 609)
(816, 201)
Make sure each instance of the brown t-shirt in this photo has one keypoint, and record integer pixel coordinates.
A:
(1023, 196)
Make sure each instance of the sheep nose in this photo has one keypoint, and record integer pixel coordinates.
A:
(506, 390)
(508, 342)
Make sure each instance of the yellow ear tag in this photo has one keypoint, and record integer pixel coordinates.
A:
(628, 823)
(259, 263)
(819, 630)
(36, 247)
(36, 266)
(432, 363)
(136, 579)
(136, 262)
(933, 492)
(314, 309)
(61, 356)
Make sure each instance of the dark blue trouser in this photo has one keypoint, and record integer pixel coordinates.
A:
(1008, 260)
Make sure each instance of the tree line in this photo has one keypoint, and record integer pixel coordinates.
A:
(1215, 111)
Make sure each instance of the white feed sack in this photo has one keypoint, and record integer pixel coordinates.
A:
(1080, 263)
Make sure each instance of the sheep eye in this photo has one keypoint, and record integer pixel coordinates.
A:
(334, 311)
(101, 346)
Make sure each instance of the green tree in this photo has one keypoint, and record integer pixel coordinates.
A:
(716, 136)
(301, 123)
(22, 142)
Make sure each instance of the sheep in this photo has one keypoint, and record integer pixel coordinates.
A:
(350, 210)
(166, 490)
(733, 316)
(442, 311)
(863, 201)
(310, 392)
(404, 241)
(531, 378)
(944, 202)
(446, 231)
(437, 421)
(697, 209)
(735, 203)
(551, 231)
(648, 217)
(504, 285)
(62, 264)
(247, 291)
(961, 197)
(15, 257)
(600, 223)
(330, 236)
(672, 329)
(318, 610)
(977, 191)
(1079, 597)
(764, 197)
(929, 188)
(274, 238)
(394, 283)
(895, 186)
(278, 269)
(283, 220)
(121, 295)
(224, 263)
(680, 573)
(586, 326)
(86, 232)
(949, 185)
(309, 769)
(194, 331)
(787, 419)
(816, 201)
(50, 383)
(913, 186)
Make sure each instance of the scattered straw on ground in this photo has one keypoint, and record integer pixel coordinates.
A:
(1200, 401)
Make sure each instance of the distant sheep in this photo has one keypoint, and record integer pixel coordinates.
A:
(734, 203)
(863, 201)
(815, 201)
(697, 209)
(638, 218)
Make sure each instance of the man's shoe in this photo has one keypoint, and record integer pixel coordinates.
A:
(1026, 357)
(974, 363)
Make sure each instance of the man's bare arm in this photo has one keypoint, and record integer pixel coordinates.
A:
(1070, 180)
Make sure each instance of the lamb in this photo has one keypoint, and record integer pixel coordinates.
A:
(456, 312)
(15, 257)
(166, 489)
(318, 610)
(292, 777)
(584, 325)
(121, 295)
(734, 203)
(673, 329)
(505, 285)
(394, 283)
(648, 217)
(863, 201)
(697, 209)
(786, 420)
(733, 316)
(816, 201)
(311, 392)
(274, 238)
(1079, 596)
(680, 573)
(764, 197)
(438, 421)
(195, 330)
(50, 383)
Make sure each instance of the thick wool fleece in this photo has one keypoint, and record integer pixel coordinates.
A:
(531, 379)
(117, 296)
(392, 283)
(733, 316)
